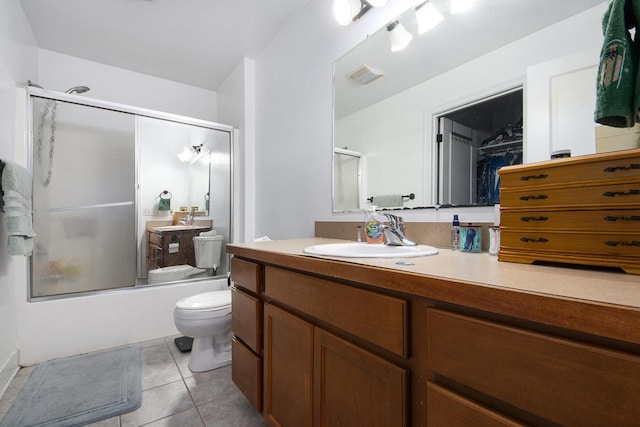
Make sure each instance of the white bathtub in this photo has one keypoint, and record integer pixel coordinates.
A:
(66, 327)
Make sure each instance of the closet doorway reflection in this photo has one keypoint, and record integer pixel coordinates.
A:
(474, 141)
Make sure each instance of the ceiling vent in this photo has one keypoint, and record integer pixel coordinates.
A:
(365, 75)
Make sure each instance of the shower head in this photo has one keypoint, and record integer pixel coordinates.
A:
(78, 89)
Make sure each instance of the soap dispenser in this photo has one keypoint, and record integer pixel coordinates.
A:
(373, 226)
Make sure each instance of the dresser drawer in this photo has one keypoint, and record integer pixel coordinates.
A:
(622, 165)
(562, 381)
(246, 373)
(446, 408)
(246, 274)
(621, 245)
(610, 220)
(155, 238)
(618, 195)
(379, 319)
(246, 318)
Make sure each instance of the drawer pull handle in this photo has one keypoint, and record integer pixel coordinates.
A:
(534, 218)
(621, 193)
(622, 168)
(622, 218)
(539, 197)
(528, 177)
(632, 243)
(528, 239)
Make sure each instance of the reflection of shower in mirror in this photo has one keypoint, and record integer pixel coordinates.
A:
(347, 179)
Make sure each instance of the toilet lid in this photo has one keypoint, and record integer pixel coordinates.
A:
(206, 301)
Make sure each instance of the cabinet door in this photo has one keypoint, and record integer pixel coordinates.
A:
(354, 387)
(288, 369)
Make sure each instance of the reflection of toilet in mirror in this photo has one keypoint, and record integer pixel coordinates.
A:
(208, 252)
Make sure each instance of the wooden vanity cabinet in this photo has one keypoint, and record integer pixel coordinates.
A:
(160, 253)
(246, 326)
(330, 351)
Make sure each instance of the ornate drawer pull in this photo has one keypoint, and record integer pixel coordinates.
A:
(622, 168)
(632, 243)
(528, 239)
(534, 218)
(622, 218)
(528, 177)
(539, 197)
(621, 193)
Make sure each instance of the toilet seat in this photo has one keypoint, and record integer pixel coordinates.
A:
(205, 305)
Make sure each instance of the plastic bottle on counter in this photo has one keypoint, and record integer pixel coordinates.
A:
(455, 233)
(373, 227)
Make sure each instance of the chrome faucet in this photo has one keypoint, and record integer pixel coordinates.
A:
(394, 232)
(188, 220)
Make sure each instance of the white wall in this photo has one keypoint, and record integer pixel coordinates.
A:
(60, 72)
(236, 107)
(18, 59)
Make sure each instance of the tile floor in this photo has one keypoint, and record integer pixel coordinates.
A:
(172, 395)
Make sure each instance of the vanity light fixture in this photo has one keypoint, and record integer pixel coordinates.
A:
(427, 16)
(458, 6)
(185, 154)
(398, 35)
(347, 11)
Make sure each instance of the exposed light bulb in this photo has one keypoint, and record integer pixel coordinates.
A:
(427, 17)
(345, 10)
(399, 36)
(458, 6)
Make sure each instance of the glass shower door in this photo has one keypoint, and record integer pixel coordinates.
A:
(83, 198)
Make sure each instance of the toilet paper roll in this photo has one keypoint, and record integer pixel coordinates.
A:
(174, 248)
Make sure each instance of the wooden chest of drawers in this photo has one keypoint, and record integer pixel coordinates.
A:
(581, 210)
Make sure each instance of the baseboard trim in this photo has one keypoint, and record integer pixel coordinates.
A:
(8, 372)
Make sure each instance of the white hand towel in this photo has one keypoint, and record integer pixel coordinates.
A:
(16, 186)
(388, 201)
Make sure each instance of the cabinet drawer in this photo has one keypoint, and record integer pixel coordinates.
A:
(613, 166)
(246, 373)
(446, 408)
(246, 274)
(611, 220)
(615, 195)
(562, 381)
(155, 238)
(377, 318)
(246, 318)
(621, 245)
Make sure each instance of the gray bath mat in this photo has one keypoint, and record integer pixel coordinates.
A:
(79, 390)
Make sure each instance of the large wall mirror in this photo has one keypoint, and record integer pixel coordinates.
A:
(389, 106)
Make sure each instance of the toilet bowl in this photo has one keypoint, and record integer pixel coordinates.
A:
(206, 318)
(208, 251)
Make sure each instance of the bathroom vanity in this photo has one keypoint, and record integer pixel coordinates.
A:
(454, 339)
(169, 245)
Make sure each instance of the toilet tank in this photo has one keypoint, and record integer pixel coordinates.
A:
(208, 251)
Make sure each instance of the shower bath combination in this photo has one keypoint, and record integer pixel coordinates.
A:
(50, 108)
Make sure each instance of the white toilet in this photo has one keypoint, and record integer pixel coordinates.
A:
(208, 250)
(205, 317)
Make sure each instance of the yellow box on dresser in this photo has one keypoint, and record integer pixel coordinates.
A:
(581, 210)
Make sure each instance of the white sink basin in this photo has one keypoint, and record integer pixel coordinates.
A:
(178, 227)
(365, 250)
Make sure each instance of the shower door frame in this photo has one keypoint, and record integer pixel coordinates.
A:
(137, 112)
